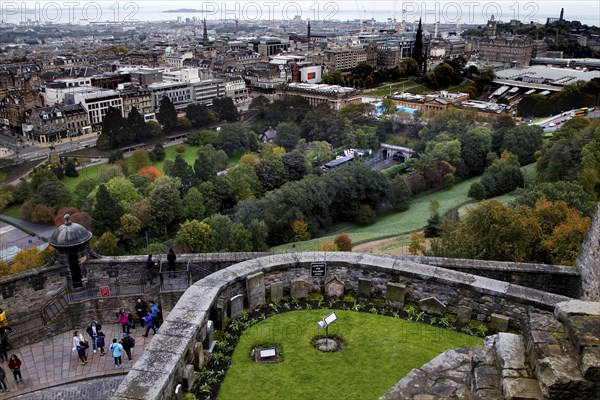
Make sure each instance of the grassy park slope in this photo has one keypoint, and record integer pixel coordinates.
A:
(394, 223)
(378, 352)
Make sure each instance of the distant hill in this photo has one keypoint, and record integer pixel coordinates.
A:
(184, 10)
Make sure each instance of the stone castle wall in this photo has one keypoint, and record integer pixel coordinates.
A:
(173, 346)
(588, 262)
(558, 279)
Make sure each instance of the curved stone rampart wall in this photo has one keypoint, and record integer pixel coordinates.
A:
(160, 368)
(588, 262)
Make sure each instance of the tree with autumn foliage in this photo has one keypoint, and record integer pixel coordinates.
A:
(550, 232)
(300, 230)
(328, 246)
(343, 242)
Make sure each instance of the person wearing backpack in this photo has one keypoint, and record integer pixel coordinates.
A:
(116, 349)
(101, 343)
(128, 342)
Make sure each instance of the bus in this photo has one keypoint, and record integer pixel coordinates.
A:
(582, 112)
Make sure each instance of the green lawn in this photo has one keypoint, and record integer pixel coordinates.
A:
(391, 224)
(2, 176)
(13, 211)
(378, 352)
(419, 89)
(462, 87)
(384, 90)
(189, 156)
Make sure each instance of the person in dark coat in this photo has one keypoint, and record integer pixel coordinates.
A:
(92, 330)
(150, 269)
(141, 309)
(127, 342)
(171, 257)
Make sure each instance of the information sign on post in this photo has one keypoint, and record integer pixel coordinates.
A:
(104, 291)
(318, 269)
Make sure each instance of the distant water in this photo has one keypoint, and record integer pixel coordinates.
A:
(465, 12)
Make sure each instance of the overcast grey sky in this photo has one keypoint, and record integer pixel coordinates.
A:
(477, 12)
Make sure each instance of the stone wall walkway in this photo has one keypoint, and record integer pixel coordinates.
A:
(52, 363)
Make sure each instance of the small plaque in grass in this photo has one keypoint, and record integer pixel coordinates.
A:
(266, 355)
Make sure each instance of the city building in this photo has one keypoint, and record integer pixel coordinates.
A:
(344, 58)
(180, 94)
(49, 124)
(430, 102)
(336, 97)
(95, 101)
(137, 97)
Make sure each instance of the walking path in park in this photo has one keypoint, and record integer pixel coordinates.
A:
(52, 364)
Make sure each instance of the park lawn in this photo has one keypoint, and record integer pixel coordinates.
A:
(462, 87)
(13, 211)
(3, 176)
(378, 352)
(395, 223)
(419, 89)
(384, 89)
(91, 172)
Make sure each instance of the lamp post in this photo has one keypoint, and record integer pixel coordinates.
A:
(325, 322)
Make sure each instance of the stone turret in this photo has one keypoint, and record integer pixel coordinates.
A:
(71, 243)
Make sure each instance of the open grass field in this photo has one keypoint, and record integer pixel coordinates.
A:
(378, 352)
(393, 223)
(13, 211)
(462, 87)
(384, 90)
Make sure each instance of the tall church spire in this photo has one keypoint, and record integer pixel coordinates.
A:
(205, 35)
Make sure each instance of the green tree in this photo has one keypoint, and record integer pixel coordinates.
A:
(70, 169)
(401, 193)
(158, 153)
(571, 193)
(271, 173)
(287, 136)
(183, 171)
(335, 77)
(365, 215)
(115, 155)
(523, 141)
(108, 171)
(204, 166)
(225, 108)
(245, 182)
(477, 191)
(221, 226)
(137, 126)
(6, 198)
(123, 191)
(130, 230)
(241, 238)
(260, 235)
(165, 203)
(193, 204)
(295, 165)
(115, 131)
(41, 175)
(475, 145)
(107, 244)
(409, 66)
(167, 116)
(195, 237)
(107, 212)
(139, 159)
(233, 138)
(54, 195)
(200, 116)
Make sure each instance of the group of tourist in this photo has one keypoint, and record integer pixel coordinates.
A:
(149, 316)
(151, 266)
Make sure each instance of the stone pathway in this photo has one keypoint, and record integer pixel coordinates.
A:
(52, 364)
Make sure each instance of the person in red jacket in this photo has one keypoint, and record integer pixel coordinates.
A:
(15, 366)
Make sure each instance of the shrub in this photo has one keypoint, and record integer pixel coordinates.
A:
(42, 214)
(343, 242)
(151, 172)
(26, 260)
(59, 218)
(115, 156)
(180, 148)
(365, 215)
(328, 246)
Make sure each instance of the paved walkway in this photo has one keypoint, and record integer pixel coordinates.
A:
(51, 363)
